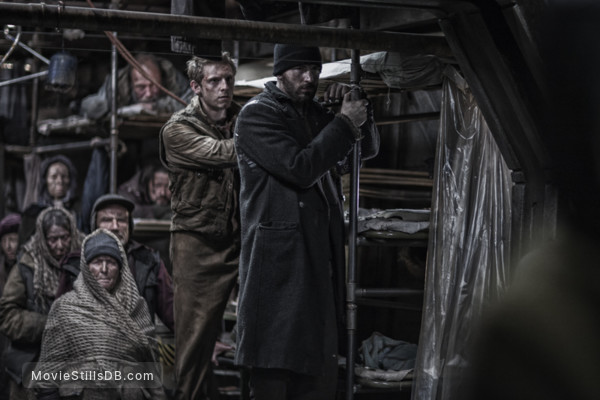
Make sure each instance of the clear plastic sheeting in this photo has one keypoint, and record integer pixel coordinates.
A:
(469, 243)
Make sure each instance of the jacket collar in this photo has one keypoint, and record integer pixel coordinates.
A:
(196, 106)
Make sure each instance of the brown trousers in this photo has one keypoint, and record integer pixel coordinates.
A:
(204, 274)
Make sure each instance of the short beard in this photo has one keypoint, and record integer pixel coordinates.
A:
(289, 89)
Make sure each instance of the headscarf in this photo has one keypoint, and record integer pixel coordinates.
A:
(46, 270)
(97, 328)
(43, 195)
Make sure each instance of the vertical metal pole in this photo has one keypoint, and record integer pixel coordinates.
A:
(35, 100)
(114, 133)
(351, 309)
(2, 183)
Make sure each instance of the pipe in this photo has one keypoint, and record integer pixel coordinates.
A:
(351, 307)
(52, 16)
(55, 148)
(114, 132)
(29, 49)
(13, 46)
(387, 292)
(402, 119)
(24, 78)
(2, 174)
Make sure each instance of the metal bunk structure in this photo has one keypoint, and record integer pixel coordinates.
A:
(491, 41)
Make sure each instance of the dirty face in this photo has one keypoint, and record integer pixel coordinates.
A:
(106, 271)
(114, 218)
(300, 83)
(158, 189)
(145, 91)
(216, 89)
(57, 180)
(58, 240)
(9, 246)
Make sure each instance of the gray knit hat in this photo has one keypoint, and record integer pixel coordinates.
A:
(102, 244)
(286, 56)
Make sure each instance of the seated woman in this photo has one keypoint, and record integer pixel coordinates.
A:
(57, 186)
(101, 325)
(31, 286)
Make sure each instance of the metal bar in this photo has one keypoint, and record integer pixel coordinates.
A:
(395, 304)
(355, 72)
(114, 132)
(44, 15)
(53, 148)
(403, 119)
(23, 78)
(12, 46)
(387, 292)
(35, 106)
(29, 49)
(2, 174)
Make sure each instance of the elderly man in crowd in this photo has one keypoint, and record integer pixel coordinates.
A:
(137, 94)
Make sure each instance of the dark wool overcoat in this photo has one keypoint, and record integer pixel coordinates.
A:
(292, 257)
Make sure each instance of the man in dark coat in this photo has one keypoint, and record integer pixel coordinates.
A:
(291, 152)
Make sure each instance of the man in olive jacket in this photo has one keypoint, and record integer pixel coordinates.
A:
(196, 146)
(291, 151)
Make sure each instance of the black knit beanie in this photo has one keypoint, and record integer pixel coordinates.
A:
(101, 244)
(286, 56)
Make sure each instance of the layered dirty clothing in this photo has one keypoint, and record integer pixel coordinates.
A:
(28, 295)
(98, 105)
(93, 329)
(204, 182)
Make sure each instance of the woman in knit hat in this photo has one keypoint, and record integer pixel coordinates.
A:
(103, 324)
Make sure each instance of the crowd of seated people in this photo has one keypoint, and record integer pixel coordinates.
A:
(47, 265)
(54, 280)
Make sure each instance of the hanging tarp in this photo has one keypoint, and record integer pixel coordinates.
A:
(469, 242)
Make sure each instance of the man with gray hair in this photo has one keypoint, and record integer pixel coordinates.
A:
(196, 146)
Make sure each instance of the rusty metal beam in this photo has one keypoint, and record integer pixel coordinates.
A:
(60, 17)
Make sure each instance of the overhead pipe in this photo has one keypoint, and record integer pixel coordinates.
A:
(63, 17)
